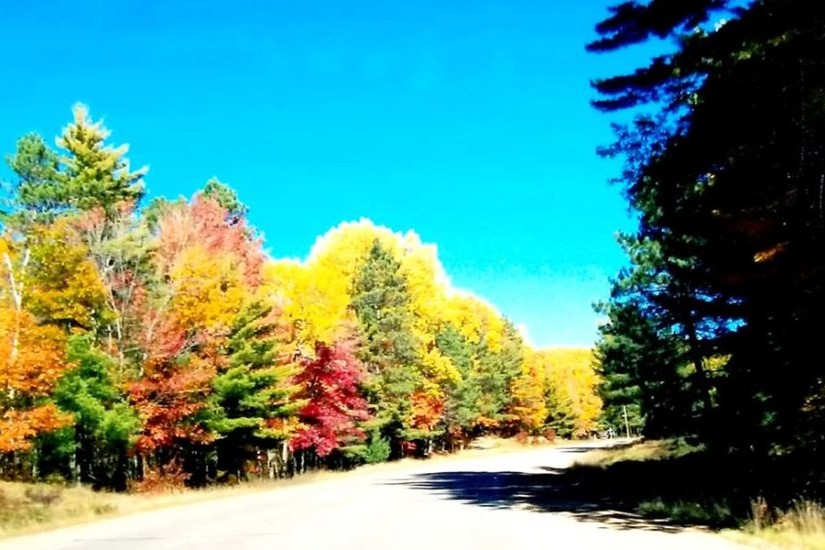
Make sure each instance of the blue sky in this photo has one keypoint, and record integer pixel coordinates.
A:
(468, 122)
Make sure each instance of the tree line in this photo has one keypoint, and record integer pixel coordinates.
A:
(713, 329)
(154, 344)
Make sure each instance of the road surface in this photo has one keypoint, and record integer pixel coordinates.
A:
(484, 502)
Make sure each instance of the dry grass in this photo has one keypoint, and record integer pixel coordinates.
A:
(638, 451)
(26, 507)
(802, 526)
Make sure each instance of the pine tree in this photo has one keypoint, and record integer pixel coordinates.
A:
(94, 174)
(388, 345)
(253, 393)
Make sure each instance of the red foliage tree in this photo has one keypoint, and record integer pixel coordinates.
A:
(329, 383)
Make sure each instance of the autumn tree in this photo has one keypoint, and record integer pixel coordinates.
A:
(32, 359)
(334, 408)
(528, 389)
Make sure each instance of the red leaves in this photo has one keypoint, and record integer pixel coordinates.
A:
(330, 384)
(203, 222)
(167, 402)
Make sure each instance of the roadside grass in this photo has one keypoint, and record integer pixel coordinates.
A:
(684, 484)
(31, 507)
(656, 449)
(674, 480)
(25, 505)
(800, 526)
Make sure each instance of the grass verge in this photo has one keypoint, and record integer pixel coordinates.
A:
(682, 483)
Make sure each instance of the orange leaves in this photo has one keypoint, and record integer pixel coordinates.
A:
(32, 357)
(19, 427)
(166, 401)
(31, 360)
(427, 409)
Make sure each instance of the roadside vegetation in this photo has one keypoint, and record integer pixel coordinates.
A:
(685, 484)
(712, 330)
(147, 345)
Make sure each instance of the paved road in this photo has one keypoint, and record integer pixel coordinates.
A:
(483, 502)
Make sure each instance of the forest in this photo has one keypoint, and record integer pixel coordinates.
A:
(713, 328)
(156, 344)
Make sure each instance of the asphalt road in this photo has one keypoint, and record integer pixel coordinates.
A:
(484, 502)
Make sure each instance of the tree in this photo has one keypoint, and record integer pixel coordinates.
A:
(528, 390)
(105, 426)
(640, 371)
(253, 398)
(726, 176)
(32, 359)
(64, 287)
(388, 346)
(38, 194)
(94, 174)
(330, 387)
(227, 198)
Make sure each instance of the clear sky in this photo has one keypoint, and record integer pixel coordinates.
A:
(468, 122)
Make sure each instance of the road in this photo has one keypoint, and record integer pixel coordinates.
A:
(484, 502)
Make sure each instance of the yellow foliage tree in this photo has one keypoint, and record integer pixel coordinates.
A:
(572, 385)
(528, 390)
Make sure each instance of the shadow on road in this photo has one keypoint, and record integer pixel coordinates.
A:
(553, 491)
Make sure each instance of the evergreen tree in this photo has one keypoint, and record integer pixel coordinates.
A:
(725, 170)
(104, 425)
(37, 194)
(94, 174)
(388, 346)
(252, 393)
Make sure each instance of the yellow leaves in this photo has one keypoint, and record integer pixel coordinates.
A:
(208, 289)
(528, 389)
(570, 372)
(475, 320)
(313, 298)
(435, 366)
(63, 285)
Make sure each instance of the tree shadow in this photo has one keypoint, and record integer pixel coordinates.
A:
(554, 491)
(692, 491)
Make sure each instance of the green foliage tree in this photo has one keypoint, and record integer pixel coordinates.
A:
(94, 174)
(251, 402)
(724, 166)
(104, 425)
(37, 193)
(388, 346)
